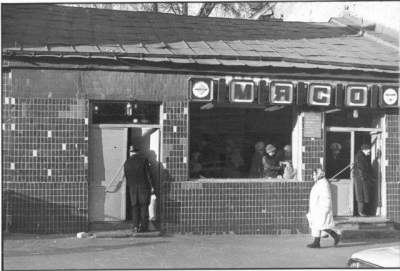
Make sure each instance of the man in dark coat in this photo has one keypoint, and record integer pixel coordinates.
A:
(363, 178)
(256, 167)
(136, 169)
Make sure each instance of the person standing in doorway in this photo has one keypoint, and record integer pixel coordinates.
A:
(363, 178)
(137, 173)
(320, 215)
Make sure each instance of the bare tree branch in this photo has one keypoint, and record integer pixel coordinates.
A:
(206, 9)
(185, 8)
(154, 7)
(269, 7)
(176, 8)
(230, 8)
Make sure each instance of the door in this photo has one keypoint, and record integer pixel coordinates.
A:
(374, 139)
(339, 156)
(107, 189)
(376, 154)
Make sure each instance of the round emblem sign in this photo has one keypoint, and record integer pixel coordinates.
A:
(200, 89)
(390, 96)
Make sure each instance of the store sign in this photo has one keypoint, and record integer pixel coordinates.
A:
(356, 96)
(201, 89)
(389, 97)
(281, 93)
(241, 91)
(220, 91)
(319, 95)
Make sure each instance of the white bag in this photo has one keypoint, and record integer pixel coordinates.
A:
(153, 208)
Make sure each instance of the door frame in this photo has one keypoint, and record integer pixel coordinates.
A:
(126, 127)
(352, 131)
(123, 188)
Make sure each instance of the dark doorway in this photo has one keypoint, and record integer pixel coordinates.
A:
(145, 139)
(338, 155)
(360, 139)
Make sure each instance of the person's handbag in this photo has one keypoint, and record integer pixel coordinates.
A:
(153, 208)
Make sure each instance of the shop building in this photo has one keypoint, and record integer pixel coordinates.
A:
(79, 86)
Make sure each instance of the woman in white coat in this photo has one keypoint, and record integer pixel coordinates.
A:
(320, 216)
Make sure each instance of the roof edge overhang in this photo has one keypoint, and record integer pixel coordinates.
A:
(258, 61)
(297, 70)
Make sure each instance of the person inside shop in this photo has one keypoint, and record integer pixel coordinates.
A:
(233, 160)
(195, 165)
(286, 163)
(336, 162)
(207, 156)
(140, 187)
(363, 179)
(271, 162)
(256, 167)
(320, 214)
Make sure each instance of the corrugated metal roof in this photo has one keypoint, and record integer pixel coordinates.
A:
(52, 30)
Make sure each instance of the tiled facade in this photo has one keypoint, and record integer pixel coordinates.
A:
(240, 208)
(45, 175)
(222, 207)
(44, 169)
(393, 166)
(175, 139)
(313, 149)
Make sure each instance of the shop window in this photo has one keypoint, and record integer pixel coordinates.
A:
(223, 142)
(361, 117)
(126, 112)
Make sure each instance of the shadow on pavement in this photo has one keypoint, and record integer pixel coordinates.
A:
(60, 251)
(30, 236)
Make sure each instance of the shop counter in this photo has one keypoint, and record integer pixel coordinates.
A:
(242, 180)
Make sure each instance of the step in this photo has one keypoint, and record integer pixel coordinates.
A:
(364, 223)
(118, 225)
(123, 234)
(109, 226)
(370, 234)
(120, 229)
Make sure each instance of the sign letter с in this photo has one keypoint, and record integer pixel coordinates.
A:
(319, 95)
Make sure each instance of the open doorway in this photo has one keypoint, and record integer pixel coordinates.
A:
(147, 140)
(372, 139)
(342, 145)
(108, 151)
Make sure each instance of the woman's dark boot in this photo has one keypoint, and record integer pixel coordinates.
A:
(334, 235)
(315, 244)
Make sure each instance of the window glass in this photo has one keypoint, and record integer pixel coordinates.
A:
(131, 112)
(228, 142)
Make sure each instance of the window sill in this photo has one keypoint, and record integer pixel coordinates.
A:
(243, 180)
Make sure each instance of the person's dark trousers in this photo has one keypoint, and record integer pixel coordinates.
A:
(361, 208)
(140, 200)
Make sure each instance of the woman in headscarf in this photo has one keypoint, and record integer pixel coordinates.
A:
(271, 162)
(320, 216)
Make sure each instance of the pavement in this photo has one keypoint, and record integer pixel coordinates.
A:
(24, 251)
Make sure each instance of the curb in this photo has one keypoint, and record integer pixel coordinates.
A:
(124, 234)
